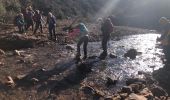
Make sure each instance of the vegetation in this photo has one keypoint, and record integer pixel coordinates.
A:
(129, 12)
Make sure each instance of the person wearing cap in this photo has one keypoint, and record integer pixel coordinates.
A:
(83, 39)
(106, 29)
(51, 21)
(38, 21)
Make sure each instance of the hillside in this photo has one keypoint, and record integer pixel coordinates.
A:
(136, 13)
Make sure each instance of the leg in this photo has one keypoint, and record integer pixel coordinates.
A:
(19, 29)
(81, 40)
(85, 46)
(32, 24)
(50, 32)
(53, 31)
(36, 27)
(104, 44)
(41, 27)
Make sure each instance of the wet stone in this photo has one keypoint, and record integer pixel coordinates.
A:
(112, 55)
(110, 82)
(69, 47)
(135, 80)
(136, 97)
(2, 52)
(127, 89)
(10, 82)
(87, 89)
(84, 67)
(132, 53)
(158, 91)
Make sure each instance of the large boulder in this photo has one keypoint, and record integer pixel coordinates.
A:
(16, 41)
(132, 53)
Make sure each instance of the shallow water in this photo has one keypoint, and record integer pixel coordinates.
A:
(122, 68)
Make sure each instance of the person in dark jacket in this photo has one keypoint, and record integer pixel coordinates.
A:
(106, 29)
(51, 21)
(28, 16)
(38, 21)
(20, 22)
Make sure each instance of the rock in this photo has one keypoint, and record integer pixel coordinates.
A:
(110, 82)
(2, 52)
(84, 67)
(132, 53)
(123, 95)
(69, 47)
(19, 77)
(127, 89)
(147, 93)
(34, 80)
(135, 80)
(43, 70)
(136, 97)
(1, 63)
(112, 55)
(10, 82)
(158, 91)
(135, 88)
(21, 61)
(16, 52)
(109, 98)
(98, 93)
(16, 41)
(87, 89)
(92, 57)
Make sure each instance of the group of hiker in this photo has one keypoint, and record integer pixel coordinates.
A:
(34, 19)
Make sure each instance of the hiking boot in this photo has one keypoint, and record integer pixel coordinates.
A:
(85, 57)
(103, 55)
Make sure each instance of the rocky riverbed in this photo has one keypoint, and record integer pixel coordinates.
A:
(33, 68)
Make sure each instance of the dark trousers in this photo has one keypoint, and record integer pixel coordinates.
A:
(51, 29)
(83, 40)
(28, 24)
(21, 28)
(105, 40)
(38, 25)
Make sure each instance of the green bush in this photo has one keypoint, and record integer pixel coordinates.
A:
(2, 9)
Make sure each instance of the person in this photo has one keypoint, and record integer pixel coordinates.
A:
(51, 21)
(19, 22)
(165, 37)
(29, 18)
(83, 39)
(38, 21)
(106, 29)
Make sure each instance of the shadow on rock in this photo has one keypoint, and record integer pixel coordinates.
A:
(163, 77)
(41, 75)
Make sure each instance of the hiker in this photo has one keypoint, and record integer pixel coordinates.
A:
(19, 22)
(38, 21)
(165, 37)
(28, 16)
(106, 29)
(51, 21)
(83, 39)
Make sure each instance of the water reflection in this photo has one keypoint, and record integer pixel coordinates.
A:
(122, 68)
